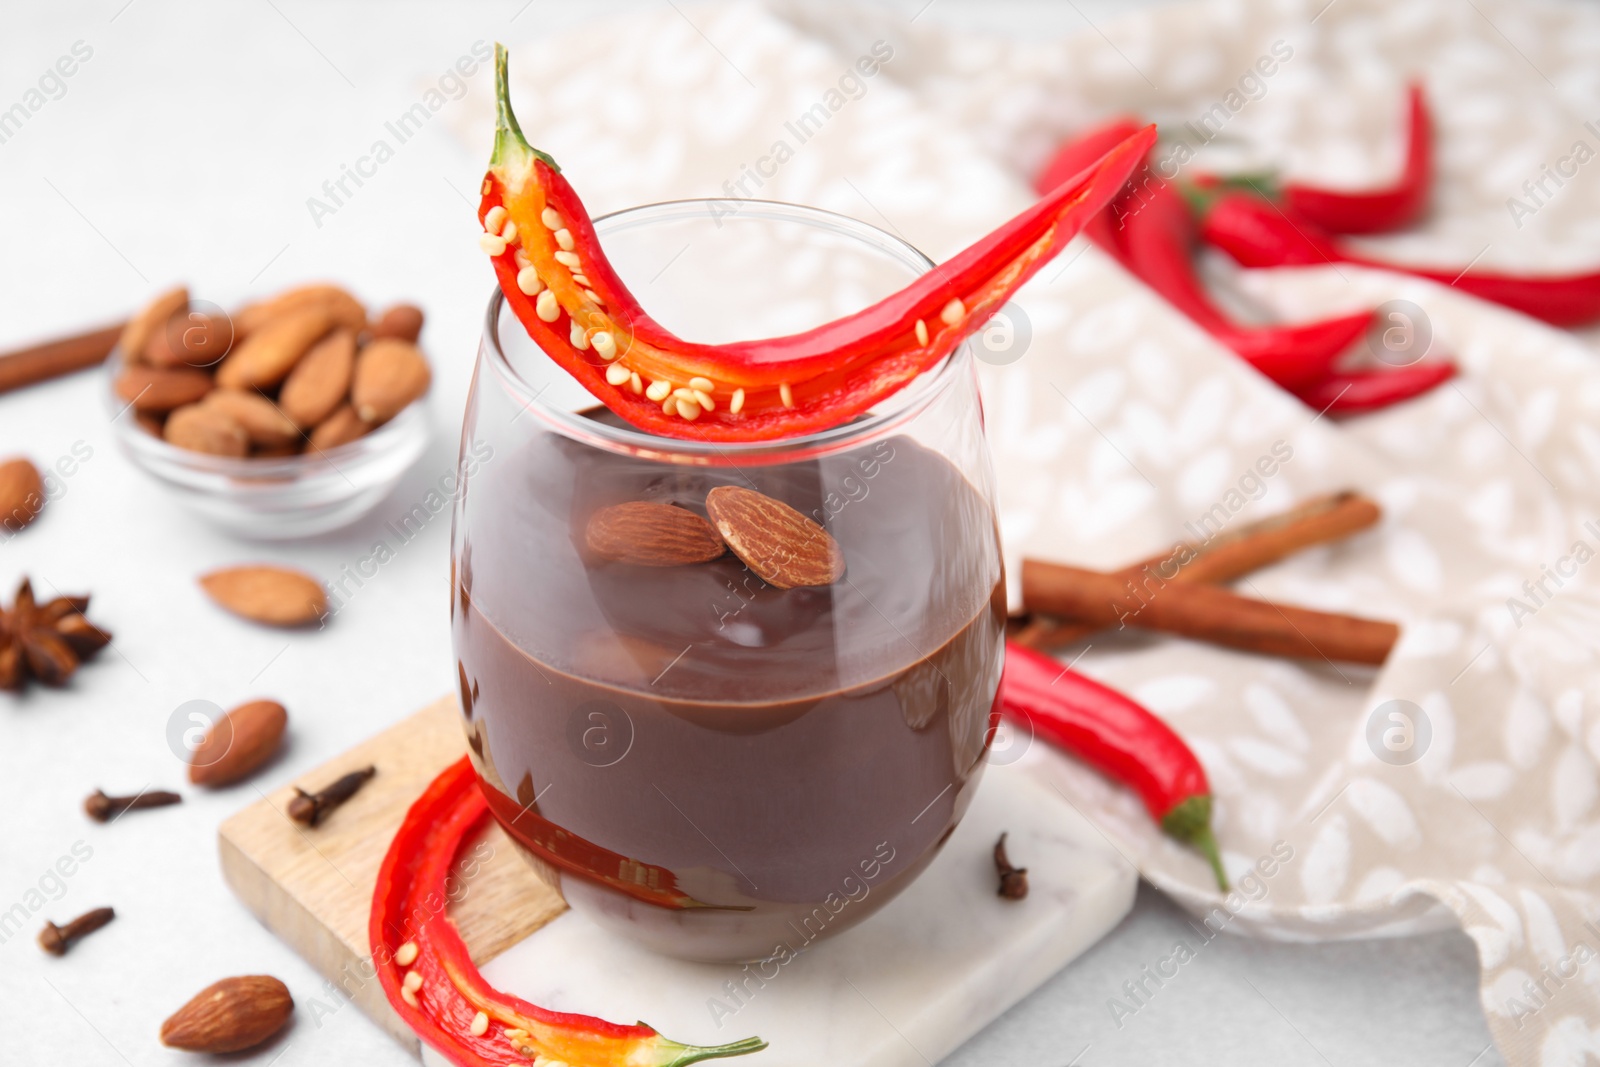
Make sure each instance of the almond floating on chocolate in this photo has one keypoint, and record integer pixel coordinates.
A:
(230, 1016)
(390, 374)
(238, 744)
(320, 382)
(276, 596)
(782, 546)
(651, 535)
(21, 493)
(160, 389)
(200, 428)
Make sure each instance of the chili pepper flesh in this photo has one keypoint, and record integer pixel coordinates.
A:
(432, 983)
(573, 304)
(1117, 737)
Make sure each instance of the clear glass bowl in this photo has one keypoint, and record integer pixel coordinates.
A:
(276, 499)
(714, 767)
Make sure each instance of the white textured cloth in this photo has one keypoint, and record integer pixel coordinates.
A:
(1122, 422)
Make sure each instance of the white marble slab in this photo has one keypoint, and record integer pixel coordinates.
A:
(903, 989)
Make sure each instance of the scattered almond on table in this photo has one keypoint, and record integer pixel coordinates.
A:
(230, 1016)
(306, 370)
(275, 596)
(21, 493)
(238, 744)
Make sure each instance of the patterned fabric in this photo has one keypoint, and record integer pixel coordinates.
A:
(1458, 783)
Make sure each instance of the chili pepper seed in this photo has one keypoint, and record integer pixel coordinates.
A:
(510, 233)
(703, 398)
(492, 243)
(552, 220)
(564, 239)
(786, 395)
(635, 382)
(569, 259)
(736, 405)
(579, 339)
(688, 409)
(617, 374)
(409, 997)
(604, 345)
(529, 282)
(547, 308)
(659, 390)
(922, 332)
(495, 218)
(480, 1024)
(952, 312)
(406, 955)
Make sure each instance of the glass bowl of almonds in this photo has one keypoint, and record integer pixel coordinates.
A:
(289, 417)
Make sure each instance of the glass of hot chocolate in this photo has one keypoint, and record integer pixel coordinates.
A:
(720, 743)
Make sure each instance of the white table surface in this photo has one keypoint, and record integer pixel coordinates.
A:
(184, 149)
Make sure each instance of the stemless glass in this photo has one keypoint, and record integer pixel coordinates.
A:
(715, 767)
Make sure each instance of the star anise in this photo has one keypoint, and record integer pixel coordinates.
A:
(45, 641)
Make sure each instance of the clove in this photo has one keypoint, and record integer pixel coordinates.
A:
(57, 939)
(1013, 880)
(102, 808)
(310, 808)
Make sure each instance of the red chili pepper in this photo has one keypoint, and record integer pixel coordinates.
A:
(1257, 234)
(1149, 230)
(1361, 391)
(594, 328)
(409, 923)
(1117, 737)
(1390, 207)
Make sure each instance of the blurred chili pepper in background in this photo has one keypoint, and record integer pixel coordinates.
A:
(1360, 391)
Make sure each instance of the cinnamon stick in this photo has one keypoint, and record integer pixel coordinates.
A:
(52, 359)
(1229, 555)
(1204, 612)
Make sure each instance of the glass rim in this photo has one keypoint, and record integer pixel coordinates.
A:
(906, 403)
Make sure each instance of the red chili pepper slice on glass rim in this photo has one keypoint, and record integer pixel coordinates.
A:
(557, 281)
(446, 996)
(1117, 737)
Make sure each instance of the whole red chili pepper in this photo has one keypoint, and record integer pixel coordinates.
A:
(560, 286)
(1149, 230)
(431, 981)
(1368, 390)
(1117, 737)
(1378, 210)
(1258, 234)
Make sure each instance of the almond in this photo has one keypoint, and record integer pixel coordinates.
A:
(160, 389)
(205, 429)
(190, 339)
(402, 322)
(344, 308)
(782, 546)
(230, 1016)
(320, 382)
(238, 744)
(265, 425)
(389, 375)
(651, 535)
(276, 596)
(148, 322)
(21, 493)
(267, 355)
(340, 428)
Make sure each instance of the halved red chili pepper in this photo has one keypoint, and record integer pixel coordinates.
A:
(1258, 234)
(1149, 230)
(558, 282)
(431, 981)
(1356, 392)
(1117, 737)
(1378, 210)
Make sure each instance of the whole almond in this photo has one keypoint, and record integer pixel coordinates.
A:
(263, 423)
(389, 375)
(402, 322)
(346, 310)
(230, 1016)
(276, 596)
(190, 339)
(267, 355)
(142, 327)
(200, 428)
(21, 493)
(651, 535)
(782, 546)
(340, 428)
(320, 382)
(159, 389)
(238, 744)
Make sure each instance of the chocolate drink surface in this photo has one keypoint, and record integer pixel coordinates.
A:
(715, 767)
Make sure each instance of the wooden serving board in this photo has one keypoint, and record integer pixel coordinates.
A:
(313, 887)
